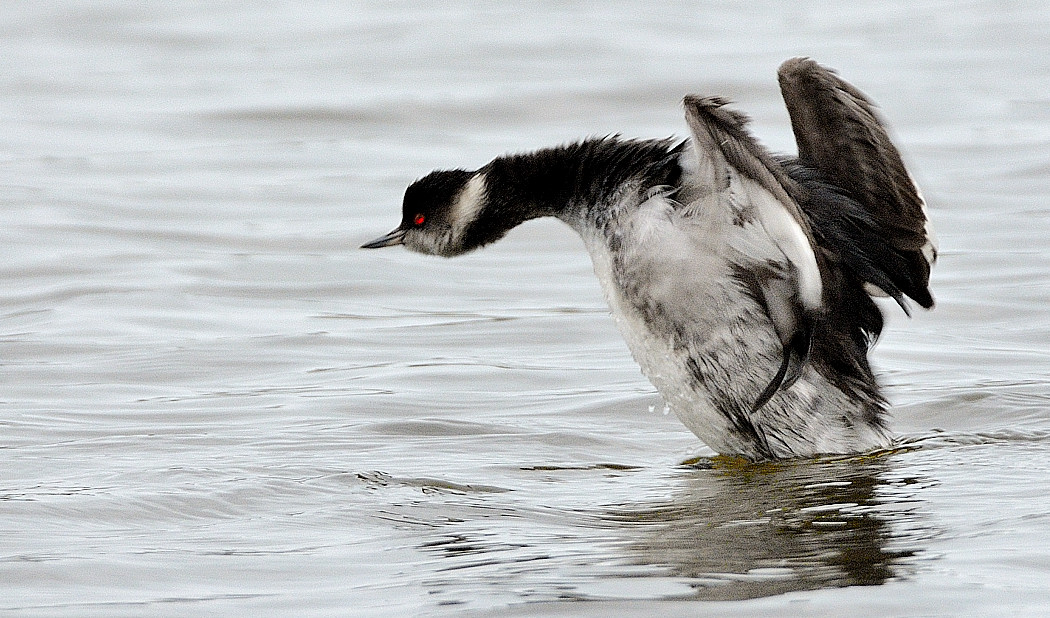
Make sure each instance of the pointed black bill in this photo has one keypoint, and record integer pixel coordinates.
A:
(397, 237)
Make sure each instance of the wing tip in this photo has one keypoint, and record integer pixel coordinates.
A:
(699, 103)
(714, 108)
(799, 67)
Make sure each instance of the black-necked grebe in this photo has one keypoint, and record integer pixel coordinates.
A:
(741, 280)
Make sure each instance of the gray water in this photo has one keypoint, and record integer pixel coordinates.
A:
(211, 402)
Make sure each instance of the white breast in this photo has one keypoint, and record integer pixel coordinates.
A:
(676, 266)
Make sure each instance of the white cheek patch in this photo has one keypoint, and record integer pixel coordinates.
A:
(468, 205)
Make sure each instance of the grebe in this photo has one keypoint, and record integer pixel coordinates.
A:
(741, 280)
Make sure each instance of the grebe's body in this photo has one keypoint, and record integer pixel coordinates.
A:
(740, 280)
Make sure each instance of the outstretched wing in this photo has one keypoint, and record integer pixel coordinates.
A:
(774, 245)
(840, 135)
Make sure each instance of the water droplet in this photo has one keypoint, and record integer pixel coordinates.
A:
(652, 408)
(667, 409)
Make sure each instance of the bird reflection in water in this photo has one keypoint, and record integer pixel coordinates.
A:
(741, 530)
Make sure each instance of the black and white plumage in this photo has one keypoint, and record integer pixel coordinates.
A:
(741, 280)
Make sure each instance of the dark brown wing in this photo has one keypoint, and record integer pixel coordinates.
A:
(840, 135)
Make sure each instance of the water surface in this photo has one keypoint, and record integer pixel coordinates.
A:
(212, 402)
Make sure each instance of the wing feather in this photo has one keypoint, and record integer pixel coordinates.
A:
(777, 261)
(839, 133)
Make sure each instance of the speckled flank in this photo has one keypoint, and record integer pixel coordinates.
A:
(709, 348)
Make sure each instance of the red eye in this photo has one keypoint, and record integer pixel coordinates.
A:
(419, 219)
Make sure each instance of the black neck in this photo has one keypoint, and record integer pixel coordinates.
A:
(570, 181)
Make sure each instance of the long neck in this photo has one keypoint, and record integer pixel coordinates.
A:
(576, 181)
